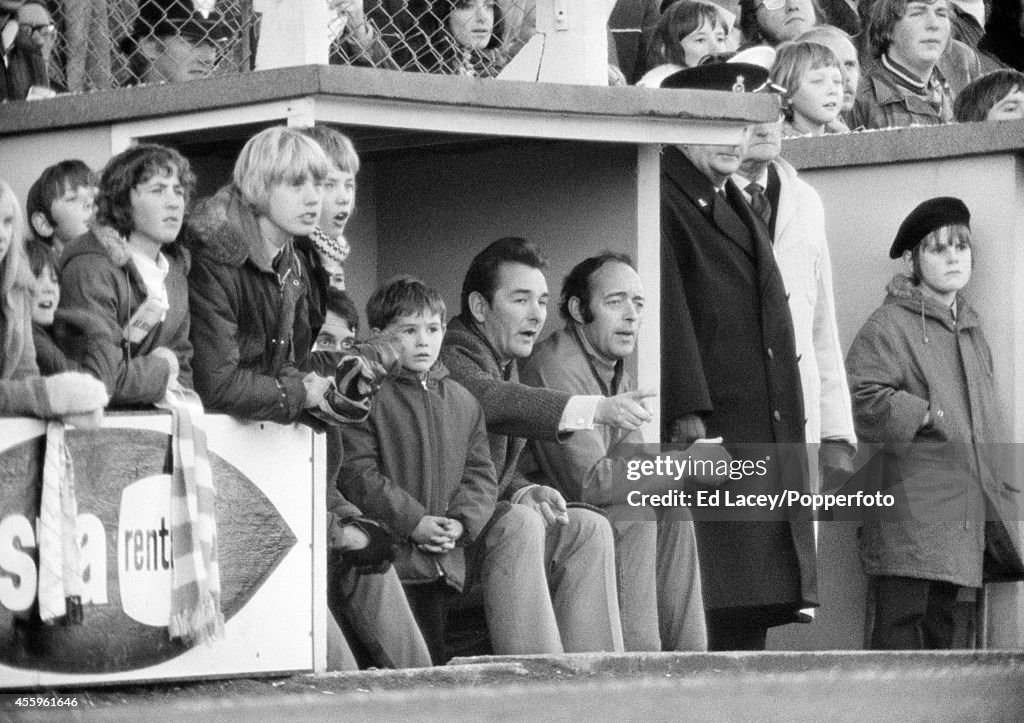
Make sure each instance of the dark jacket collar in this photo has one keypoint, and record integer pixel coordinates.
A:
(223, 227)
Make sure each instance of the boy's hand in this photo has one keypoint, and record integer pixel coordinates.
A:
(548, 502)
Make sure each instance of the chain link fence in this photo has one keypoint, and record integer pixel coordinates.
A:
(101, 44)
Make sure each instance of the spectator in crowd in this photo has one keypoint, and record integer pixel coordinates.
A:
(72, 396)
(421, 467)
(772, 22)
(921, 376)
(656, 551)
(250, 310)
(795, 220)
(31, 68)
(128, 274)
(504, 306)
(355, 39)
(629, 22)
(42, 262)
(687, 32)
(904, 86)
(729, 368)
(843, 46)
(326, 249)
(341, 324)
(61, 203)
(998, 95)
(458, 37)
(171, 41)
(1004, 32)
(370, 608)
(813, 80)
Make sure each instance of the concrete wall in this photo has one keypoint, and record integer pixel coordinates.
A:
(437, 209)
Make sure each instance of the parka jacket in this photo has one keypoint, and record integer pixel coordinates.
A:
(911, 357)
(422, 451)
(98, 278)
(247, 311)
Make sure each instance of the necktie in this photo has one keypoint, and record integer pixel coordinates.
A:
(759, 202)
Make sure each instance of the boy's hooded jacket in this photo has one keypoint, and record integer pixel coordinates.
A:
(911, 357)
(248, 310)
(423, 451)
(98, 279)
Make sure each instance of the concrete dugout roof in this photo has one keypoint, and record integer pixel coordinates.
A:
(410, 101)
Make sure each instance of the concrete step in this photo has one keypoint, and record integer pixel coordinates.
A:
(840, 686)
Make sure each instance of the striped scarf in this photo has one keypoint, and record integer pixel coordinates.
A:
(195, 575)
(60, 566)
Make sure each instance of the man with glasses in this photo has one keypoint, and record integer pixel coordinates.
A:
(28, 65)
(171, 41)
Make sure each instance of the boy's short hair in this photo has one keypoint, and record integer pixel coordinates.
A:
(482, 275)
(884, 16)
(130, 168)
(336, 146)
(54, 182)
(274, 156)
(40, 256)
(793, 60)
(402, 296)
(341, 304)
(979, 96)
(577, 282)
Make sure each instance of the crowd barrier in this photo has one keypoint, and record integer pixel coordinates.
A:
(270, 522)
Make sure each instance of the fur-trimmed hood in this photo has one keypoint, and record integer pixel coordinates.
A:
(902, 290)
(223, 227)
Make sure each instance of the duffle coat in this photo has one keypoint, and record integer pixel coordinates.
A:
(98, 278)
(913, 356)
(422, 451)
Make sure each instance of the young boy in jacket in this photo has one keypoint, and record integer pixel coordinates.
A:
(128, 276)
(421, 464)
(250, 327)
(921, 377)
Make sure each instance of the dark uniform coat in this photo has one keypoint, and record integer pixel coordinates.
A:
(728, 354)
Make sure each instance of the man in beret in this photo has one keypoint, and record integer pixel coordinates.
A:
(171, 41)
(729, 369)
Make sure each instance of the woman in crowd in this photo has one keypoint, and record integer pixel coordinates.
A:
(772, 22)
(458, 37)
(71, 396)
(688, 32)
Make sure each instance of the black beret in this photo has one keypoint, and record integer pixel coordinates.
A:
(928, 216)
(735, 77)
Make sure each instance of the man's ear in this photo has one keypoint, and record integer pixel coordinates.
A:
(574, 310)
(478, 306)
(376, 333)
(41, 225)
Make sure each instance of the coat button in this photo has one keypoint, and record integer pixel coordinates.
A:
(799, 357)
(778, 417)
(771, 354)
